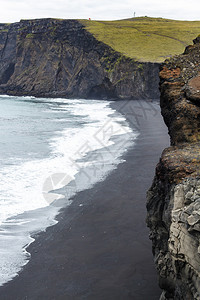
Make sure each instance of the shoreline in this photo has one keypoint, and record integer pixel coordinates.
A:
(101, 250)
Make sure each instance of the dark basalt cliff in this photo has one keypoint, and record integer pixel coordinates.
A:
(59, 58)
(174, 198)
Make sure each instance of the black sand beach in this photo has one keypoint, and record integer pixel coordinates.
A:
(101, 250)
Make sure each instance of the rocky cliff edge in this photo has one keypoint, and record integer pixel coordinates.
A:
(174, 199)
(60, 58)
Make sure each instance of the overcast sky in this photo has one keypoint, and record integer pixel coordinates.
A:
(14, 10)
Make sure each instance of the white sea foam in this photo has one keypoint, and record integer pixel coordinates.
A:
(21, 185)
(25, 187)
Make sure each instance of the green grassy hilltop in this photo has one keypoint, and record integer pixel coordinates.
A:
(144, 38)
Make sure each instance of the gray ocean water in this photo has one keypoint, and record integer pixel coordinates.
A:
(48, 145)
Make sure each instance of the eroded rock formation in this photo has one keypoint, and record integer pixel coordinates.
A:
(59, 58)
(174, 199)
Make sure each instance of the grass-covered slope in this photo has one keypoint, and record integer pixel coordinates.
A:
(59, 58)
(144, 38)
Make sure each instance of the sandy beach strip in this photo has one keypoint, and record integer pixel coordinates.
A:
(101, 250)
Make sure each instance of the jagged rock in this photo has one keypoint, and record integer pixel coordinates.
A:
(60, 58)
(173, 201)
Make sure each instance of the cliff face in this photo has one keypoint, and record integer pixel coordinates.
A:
(59, 58)
(174, 199)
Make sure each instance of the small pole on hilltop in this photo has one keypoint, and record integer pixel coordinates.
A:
(134, 14)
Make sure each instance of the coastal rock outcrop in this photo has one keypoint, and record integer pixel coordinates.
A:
(173, 201)
(60, 58)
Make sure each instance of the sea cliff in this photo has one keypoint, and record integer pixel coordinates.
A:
(60, 58)
(174, 199)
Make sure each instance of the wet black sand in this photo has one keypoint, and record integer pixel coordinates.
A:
(101, 250)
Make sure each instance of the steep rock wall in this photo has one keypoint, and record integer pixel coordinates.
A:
(59, 58)
(173, 201)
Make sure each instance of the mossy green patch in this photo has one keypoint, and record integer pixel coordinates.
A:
(145, 39)
(30, 35)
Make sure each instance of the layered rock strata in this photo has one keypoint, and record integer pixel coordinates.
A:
(174, 199)
(60, 58)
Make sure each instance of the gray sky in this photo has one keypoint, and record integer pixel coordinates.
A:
(14, 10)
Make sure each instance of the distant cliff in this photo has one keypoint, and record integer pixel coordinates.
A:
(174, 198)
(59, 58)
